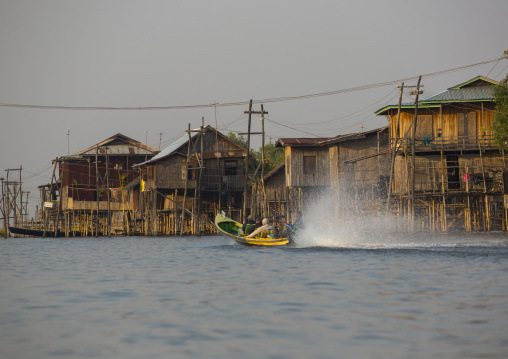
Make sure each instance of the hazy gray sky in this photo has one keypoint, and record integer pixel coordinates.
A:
(168, 53)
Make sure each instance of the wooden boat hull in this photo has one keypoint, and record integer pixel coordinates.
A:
(229, 227)
(35, 232)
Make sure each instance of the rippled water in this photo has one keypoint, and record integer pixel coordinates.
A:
(206, 297)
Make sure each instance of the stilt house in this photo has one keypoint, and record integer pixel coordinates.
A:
(188, 182)
(90, 177)
(455, 180)
(350, 163)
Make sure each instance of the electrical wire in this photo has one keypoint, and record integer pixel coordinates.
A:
(244, 103)
(493, 67)
(503, 70)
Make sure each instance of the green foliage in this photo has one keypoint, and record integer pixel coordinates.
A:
(239, 140)
(274, 156)
(500, 123)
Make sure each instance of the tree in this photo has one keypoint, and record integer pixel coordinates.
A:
(274, 156)
(500, 123)
(239, 140)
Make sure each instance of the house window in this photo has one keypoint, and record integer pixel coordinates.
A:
(309, 165)
(188, 172)
(191, 173)
(230, 168)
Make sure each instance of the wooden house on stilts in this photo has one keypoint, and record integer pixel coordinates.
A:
(452, 178)
(352, 166)
(99, 188)
(187, 183)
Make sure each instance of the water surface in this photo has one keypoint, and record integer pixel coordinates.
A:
(138, 297)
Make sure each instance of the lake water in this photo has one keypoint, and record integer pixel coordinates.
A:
(137, 297)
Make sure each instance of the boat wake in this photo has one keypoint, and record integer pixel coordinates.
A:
(328, 223)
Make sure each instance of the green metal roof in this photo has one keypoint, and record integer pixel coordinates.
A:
(475, 90)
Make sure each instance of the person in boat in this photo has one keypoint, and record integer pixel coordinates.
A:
(264, 230)
(249, 226)
(291, 229)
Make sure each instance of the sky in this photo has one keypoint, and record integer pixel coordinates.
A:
(125, 54)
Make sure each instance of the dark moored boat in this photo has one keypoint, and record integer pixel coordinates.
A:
(35, 232)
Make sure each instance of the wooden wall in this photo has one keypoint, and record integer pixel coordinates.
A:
(275, 186)
(363, 173)
(307, 167)
(456, 121)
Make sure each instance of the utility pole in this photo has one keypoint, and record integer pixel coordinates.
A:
(68, 143)
(160, 139)
(394, 153)
(415, 121)
(244, 216)
(218, 157)
(59, 202)
(249, 133)
(186, 175)
(146, 143)
(265, 205)
(201, 166)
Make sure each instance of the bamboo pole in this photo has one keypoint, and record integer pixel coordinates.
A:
(394, 153)
(202, 165)
(97, 189)
(413, 143)
(244, 215)
(50, 197)
(182, 224)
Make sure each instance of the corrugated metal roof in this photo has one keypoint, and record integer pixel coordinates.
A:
(323, 141)
(302, 141)
(463, 94)
(170, 149)
(183, 140)
(477, 89)
(121, 145)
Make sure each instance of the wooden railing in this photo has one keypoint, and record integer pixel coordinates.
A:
(429, 144)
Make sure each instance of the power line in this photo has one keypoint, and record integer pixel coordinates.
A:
(244, 103)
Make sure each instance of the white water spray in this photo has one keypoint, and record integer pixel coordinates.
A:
(338, 221)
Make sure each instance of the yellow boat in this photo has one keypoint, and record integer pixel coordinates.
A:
(230, 228)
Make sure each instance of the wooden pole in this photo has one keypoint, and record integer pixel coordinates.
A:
(3, 210)
(186, 180)
(265, 205)
(108, 194)
(59, 206)
(20, 197)
(415, 121)
(8, 212)
(394, 153)
(201, 136)
(217, 154)
(97, 190)
(244, 214)
(50, 197)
